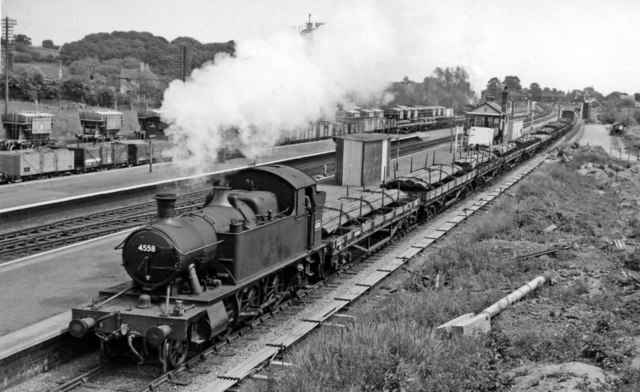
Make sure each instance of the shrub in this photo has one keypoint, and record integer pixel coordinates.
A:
(19, 57)
(387, 351)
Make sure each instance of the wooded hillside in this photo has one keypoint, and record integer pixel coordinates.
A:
(163, 57)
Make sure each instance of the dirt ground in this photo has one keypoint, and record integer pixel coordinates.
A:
(593, 299)
(591, 305)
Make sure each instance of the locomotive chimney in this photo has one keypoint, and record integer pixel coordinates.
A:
(221, 196)
(166, 205)
(503, 104)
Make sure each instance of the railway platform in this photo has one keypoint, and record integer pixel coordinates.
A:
(32, 193)
(40, 194)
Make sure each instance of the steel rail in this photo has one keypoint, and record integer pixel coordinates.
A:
(79, 380)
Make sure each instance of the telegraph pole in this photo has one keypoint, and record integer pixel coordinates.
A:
(7, 46)
(628, 111)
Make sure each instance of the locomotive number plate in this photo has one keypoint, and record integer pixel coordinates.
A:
(147, 248)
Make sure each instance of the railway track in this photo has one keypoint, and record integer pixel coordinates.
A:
(36, 239)
(32, 240)
(375, 269)
(148, 377)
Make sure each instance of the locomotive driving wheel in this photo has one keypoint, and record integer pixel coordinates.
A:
(232, 307)
(274, 289)
(174, 353)
(249, 299)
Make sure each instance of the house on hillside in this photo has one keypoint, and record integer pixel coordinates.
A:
(552, 96)
(132, 79)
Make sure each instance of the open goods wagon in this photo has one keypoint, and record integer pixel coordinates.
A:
(139, 151)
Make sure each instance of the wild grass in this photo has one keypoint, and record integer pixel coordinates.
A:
(477, 266)
(631, 138)
(634, 225)
(596, 157)
(499, 220)
(392, 346)
(568, 294)
(540, 345)
(392, 350)
(50, 69)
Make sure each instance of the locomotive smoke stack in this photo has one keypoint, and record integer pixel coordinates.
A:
(166, 205)
(503, 104)
(221, 196)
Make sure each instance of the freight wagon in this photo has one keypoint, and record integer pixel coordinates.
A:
(151, 124)
(140, 151)
(26, 130)
(87, 158)
(30, 164)
(100, 125)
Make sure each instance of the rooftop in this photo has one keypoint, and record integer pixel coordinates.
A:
(365, 137)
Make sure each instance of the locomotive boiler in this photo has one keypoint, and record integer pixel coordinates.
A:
(195, 276)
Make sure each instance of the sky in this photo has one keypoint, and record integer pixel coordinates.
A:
(566, 44)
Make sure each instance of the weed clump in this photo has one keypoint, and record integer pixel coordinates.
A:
(390, 351)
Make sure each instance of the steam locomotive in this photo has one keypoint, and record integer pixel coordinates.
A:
(272, 231)
(196, 276)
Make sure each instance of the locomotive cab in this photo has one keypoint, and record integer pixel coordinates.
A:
(294, 229)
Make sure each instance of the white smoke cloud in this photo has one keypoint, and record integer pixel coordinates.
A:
(278, 84)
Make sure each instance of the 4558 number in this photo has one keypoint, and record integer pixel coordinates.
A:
(146, 248)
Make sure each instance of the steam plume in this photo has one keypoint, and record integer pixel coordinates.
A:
(277, 85)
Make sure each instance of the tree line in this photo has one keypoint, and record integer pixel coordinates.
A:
(449, 87)
(34, 87)
(163, 57)
(25, 53)
(94, 63)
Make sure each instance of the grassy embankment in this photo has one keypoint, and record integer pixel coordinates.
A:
(391, 346)
(631, 139)
(66, 120)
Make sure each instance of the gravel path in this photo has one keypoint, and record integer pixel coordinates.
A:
(598, 135)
